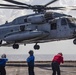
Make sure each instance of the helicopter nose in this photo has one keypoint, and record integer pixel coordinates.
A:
(74, 33)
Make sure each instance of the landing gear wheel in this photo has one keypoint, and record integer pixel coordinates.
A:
(0, 42)
(15, 46)
(74, 41)
(36, 47)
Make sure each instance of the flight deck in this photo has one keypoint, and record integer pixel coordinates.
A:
(68, 68)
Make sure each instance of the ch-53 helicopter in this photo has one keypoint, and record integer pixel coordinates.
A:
(36, 28)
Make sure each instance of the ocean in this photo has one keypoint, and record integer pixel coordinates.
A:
(40, 57)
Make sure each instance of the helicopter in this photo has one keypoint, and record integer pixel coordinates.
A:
(39, 27)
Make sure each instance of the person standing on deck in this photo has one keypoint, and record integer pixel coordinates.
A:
(3, 61)
(30, 61)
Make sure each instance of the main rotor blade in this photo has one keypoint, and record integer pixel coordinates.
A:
(16, 2)
(54, 8)
(9, 8)
(13, 6)
(8, 5)
(60, 8)
(50, 3)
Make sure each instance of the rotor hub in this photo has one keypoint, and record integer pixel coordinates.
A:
(39, 9)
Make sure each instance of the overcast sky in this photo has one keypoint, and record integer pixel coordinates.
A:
(66, 47)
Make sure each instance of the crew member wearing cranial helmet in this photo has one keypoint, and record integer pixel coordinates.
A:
(3, 56)
(30, 61)
(3, 61)
(57, 60)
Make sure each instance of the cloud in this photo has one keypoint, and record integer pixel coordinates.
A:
(67, 2)
(10, 14)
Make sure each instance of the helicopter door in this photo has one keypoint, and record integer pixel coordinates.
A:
(62, 31)
(53, 28)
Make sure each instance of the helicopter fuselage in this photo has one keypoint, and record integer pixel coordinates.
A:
(38, 29)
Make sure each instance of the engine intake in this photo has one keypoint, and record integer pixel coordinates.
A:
(36, 19)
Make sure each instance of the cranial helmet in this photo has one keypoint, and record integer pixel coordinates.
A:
(3, 56)
(31, 52)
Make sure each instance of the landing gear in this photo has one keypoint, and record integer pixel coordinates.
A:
(0, 42)
(15, 46)
(36, 47)
(74, 41)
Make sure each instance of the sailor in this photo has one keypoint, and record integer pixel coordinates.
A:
(30, 61)
(3, 61)
(56, 63)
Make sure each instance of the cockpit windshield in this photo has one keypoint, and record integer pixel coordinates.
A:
(71, 21)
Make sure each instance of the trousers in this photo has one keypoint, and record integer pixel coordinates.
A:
(55, 68)
(31, 70)
(2, 71)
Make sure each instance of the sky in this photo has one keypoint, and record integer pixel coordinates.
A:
(64, 46)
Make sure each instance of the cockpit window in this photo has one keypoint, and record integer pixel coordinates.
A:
(71, 22)
(63, 21)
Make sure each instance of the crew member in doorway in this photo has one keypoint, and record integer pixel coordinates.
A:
(57, 60)
(30, 61)
(3, 61)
